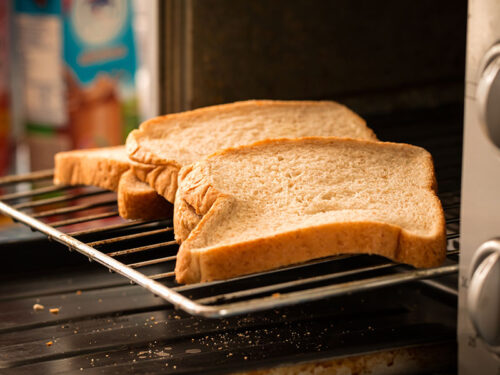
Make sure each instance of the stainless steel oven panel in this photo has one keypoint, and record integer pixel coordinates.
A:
(479, 315)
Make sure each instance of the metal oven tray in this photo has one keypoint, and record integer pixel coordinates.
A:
(41, 205)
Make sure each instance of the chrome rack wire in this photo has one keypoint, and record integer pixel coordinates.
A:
(152, 242)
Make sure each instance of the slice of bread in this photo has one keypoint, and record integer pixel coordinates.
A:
(138, 200)
(101, 167)
(161, 146)
(279, 202)
(109, 168)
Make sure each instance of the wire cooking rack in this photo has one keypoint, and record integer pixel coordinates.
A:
(151, 259)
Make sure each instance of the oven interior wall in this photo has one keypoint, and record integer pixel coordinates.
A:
(376, 57)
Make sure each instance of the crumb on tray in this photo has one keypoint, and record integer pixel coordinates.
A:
(38, 307)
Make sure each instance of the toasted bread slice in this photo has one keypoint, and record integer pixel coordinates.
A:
(109, 168)
(138, 200)
(280, 202)
(101, 167)
(161, 146)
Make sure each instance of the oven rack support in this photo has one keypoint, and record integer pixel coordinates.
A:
(255, 298)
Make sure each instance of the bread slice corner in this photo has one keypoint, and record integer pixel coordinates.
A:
(109, 168)
(100, 167)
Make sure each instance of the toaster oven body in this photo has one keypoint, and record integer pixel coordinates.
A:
(399, 65)
(479, 315)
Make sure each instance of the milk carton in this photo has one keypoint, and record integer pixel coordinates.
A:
(78, 65)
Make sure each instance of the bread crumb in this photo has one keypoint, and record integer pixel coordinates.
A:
(38, 307)
(54, 310)
(49, 343)
(152, 318)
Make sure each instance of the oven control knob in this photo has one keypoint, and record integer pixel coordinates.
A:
(488, 98)
(483, 298)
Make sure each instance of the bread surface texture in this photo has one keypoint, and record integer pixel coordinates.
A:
(161, 146)
(280, 202)
(101, 167)
(138, 200)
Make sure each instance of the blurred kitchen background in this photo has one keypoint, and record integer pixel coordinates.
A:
(73, 74)
(83, 73)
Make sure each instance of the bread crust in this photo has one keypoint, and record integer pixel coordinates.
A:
(162, 178)
(194, 201)
(140, 202)
(185, 216)
(200, 264)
